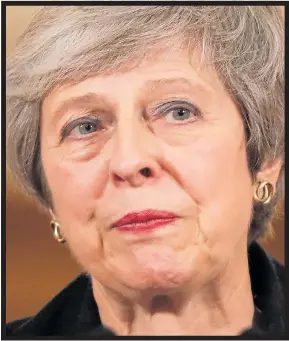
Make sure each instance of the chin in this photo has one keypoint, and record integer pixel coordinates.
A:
(158, 283)
(171, 280)
(158, 277)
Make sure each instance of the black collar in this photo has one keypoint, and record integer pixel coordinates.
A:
(267, 282)
(267, 288)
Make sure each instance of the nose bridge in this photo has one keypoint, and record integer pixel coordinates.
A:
(132, 141)
(131, 135)
(134, 149)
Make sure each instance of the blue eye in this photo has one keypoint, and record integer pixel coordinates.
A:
(180, 114)
(178, 111)
(86, 128)
(81, 127)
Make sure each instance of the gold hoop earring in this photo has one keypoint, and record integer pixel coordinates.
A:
(56, 231)
(264, 192)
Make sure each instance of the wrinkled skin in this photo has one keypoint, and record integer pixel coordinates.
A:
(197, 168)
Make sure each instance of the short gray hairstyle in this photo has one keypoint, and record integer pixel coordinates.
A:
(63, 44)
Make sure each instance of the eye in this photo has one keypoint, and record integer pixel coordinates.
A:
(85, 128)
(179, 114)
(177, 111)
(81, 128)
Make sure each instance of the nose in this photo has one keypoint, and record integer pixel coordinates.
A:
(136, 155)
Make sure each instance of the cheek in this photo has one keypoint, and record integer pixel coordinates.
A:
(74, 185)
(211, 168)
(215, 175)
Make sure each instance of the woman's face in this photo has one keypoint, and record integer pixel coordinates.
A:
(173, 117)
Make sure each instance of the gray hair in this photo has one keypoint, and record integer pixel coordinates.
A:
(69, 43)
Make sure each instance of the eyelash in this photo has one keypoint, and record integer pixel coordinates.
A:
(164, 109)
(69, 127)
(159, 111)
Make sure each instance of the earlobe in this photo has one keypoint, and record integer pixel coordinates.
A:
(270, 172)
(55, 226)
(263, 192)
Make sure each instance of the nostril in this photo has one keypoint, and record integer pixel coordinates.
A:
(146, 172)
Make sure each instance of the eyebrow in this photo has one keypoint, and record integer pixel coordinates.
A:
(182, 81)
(88, 99)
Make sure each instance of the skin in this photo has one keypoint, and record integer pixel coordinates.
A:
(190, 277)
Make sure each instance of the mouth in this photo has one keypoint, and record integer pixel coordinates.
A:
(144, 221)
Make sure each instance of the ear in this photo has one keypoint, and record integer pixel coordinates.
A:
(52, 214)
(270, 171)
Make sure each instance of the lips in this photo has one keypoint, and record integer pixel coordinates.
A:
(144, 220)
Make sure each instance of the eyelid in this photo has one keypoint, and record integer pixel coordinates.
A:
(70, 125)
(174, 104)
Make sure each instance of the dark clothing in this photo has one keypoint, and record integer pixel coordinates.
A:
(74, 313)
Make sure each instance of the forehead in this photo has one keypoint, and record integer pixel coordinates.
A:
(167, 71)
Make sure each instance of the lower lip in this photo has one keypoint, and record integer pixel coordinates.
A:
(145, 226)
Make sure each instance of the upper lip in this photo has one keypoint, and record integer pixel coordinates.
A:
(143, 216)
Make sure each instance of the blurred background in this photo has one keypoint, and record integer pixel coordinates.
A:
(37, 267)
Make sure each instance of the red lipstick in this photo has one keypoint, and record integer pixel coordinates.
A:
(144, 221)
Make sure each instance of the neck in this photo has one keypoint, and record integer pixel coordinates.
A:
(223, 307)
